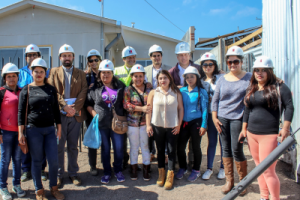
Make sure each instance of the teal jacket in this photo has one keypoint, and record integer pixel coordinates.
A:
(193, 109)
(25, 76)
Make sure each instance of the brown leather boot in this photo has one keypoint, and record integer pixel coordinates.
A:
(242, 171)
(57, 195)
(133, 172)
(146, 172)
(228, 167)
(161, 177)
(40, 195)
(170, 180)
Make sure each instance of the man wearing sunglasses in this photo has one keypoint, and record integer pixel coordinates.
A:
(25, 77)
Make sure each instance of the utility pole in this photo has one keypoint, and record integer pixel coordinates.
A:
(102, 30)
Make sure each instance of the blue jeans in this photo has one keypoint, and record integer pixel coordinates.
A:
(212, 135)
(26, 162)
(118, 142)
(42, 140)
(10, 149)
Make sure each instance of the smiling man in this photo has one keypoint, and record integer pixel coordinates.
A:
(70, 83)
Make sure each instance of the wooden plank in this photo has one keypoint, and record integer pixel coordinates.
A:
(245, 39)
(253, 44)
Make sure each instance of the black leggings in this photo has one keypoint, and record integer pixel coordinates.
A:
(231, 146)
(161, 135)
(190, 130)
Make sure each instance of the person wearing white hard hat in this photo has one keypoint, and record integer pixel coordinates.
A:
(9, 97)
(156, 55)
(135, 102)
(25, 77)
(265, 99)
(194, 124)
(108, 92)
(209, 66)
(71, 86)
(94, 59)
(164, 124)
(227, 112)
(39, 100)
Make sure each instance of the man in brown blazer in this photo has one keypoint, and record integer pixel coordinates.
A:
(69, 82)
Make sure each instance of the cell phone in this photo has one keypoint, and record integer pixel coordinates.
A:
(242, 139)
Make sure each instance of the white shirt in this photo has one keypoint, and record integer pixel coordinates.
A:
(181, 72)
(154, 74)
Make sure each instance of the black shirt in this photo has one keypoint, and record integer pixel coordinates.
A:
(262, 119)
(43, 110)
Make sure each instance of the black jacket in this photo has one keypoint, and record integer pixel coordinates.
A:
(94, 99)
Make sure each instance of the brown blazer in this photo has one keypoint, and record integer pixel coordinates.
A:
(78, 88)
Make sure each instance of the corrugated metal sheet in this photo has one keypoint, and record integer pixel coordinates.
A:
(257, 51)
(281, 42)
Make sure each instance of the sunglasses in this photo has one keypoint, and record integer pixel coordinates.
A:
(32, 55)
(207, 65)
(235, 62)
(260, 70)
(91, 60)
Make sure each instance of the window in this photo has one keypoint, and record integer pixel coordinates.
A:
(144, 63)
(17, 56)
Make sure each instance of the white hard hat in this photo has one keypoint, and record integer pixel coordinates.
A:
(208, 56)
(106, 65)
(94, 52)
(128, 51)
(191, 70)
(39, 62)
(235, 51)
(263, 62)
(9, 68)
(155, 48)
(66, 49)
(32, 48)
(137, 68)
(182, 47)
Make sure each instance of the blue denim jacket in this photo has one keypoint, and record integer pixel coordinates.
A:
(193, 110)
(25, 76)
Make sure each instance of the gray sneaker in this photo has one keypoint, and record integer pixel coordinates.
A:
(26, 176)
(17, 189)
(5, 194)
(44, 175)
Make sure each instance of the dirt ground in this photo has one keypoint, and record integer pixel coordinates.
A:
(92, 189)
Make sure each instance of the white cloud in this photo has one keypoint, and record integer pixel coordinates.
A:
(247, 11)
(186, 2)
(218, 11)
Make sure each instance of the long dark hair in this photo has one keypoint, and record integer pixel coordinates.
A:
(98, 82)
(45, 79)
(172, 85)
(269, 92)
(198, 84)
(215, 72)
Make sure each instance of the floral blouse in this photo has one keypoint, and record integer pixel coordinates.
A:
(132, 99)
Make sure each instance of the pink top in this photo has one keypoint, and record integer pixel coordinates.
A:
(9, 110)
(113, 95)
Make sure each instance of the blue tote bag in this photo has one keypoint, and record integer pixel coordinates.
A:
(92, 137)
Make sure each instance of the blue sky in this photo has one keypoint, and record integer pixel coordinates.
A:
(210, 17)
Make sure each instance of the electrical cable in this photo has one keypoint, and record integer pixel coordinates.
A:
(163, 16)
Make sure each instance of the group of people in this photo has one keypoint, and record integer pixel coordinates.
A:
(173, 107)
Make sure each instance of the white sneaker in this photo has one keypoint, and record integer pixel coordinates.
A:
(221, 174)
(17, 189)
(5, 194)
(207, 174)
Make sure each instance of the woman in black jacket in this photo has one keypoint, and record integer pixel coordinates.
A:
(107, 92)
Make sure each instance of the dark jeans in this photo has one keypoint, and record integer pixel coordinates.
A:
(118, 142)
(42, 140)
(231, 130)
(212, 135)
(10, 150)
(190, 130)
(161, 135)
(125, 153)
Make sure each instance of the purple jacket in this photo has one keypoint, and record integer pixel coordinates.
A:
(174, 71)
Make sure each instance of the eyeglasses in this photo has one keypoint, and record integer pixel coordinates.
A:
(154, 56)
(235, 62)
(208, 65)
(91, 60)
(32, 55)
(259, 70)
